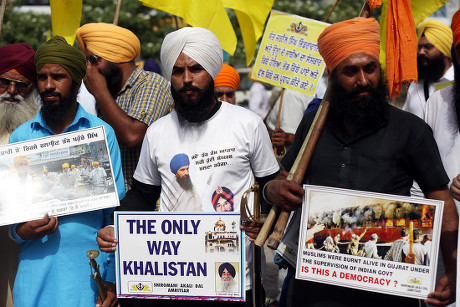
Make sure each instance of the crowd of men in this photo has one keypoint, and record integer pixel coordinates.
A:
(154, 128)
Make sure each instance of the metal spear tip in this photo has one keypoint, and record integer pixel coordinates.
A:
(92, 253)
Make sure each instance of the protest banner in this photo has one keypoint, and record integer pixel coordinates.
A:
(369, 241)
(288, 54)
(37, 177)
(192, 256)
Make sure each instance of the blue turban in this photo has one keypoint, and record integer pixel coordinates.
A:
(178, 161)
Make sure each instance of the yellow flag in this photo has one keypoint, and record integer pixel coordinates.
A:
(65, 18)
(209, 14)
(251, 18)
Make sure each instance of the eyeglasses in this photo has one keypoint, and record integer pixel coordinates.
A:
(93, 59)
(19, 85)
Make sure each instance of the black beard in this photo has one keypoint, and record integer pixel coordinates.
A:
(113, 76)
(52, 113)
(433, 71)
(184, 182)
(363, 111)
(456, 88)
(195, 110)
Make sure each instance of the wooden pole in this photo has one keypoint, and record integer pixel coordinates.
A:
(117, 13)
(332, 9)
(2, 13)
(277, 125)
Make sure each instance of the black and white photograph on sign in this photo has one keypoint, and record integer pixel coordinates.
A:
(43, 180)
(382, 234)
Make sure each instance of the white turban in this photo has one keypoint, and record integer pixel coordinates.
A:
(198, 43)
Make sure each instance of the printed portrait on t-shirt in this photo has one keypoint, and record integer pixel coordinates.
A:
(222, 200)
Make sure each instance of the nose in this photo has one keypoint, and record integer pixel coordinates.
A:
(49, 83)
(362, 79)
(12, 90)
(188, 78)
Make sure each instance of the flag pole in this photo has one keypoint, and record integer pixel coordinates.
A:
(2, 13)
(117, 13)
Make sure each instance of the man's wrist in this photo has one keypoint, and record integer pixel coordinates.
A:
(264, 195)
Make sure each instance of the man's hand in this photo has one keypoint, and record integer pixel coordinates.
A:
(455, 188)
(444, 292)
(251, 229)
(286, 194)
(106, 240)
(278, 138)
(37, 229)
(95, 82)
(111, 299)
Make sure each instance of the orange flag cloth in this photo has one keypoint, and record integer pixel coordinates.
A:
(401, 46)
(342, 39)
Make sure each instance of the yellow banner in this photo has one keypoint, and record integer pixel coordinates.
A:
(288, 54)
(65, 18)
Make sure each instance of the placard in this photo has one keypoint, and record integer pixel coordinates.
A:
(59, 175)
(288, 54)
(192, 256)
(369, 241)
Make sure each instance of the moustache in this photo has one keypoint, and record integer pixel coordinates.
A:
(50, 93)
(189, 88)
(361, 89)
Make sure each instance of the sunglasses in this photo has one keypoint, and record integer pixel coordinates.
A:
(93, 59)
(19, 85)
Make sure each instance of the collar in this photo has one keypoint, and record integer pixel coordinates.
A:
(448, 75)
(79, 120)
(136, 74)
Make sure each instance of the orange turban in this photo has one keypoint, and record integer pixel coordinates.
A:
(110, 42)
(228, 76)
(455, 25)
(342, 39)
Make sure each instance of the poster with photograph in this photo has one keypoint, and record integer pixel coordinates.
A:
(186, 256)
(369, 241)
(59, 175)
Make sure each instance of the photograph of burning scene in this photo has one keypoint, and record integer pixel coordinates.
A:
(397, 229)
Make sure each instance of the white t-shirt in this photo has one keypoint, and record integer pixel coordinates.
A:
(441, 117)
(292, 110)
(225, 151)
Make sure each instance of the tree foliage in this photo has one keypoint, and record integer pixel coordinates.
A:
(151, 25)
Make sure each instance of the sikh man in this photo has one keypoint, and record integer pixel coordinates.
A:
(53, 267)
(17, 105)
(434, 64)
(226, 84)
(98, 178)
(183, 196)
(17, 88)
(128, 98)
(367, 145)
(192, 58)
(227, 275)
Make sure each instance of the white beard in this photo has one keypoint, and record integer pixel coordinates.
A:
(12, 115)
(227, 284)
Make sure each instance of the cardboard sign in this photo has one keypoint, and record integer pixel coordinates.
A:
(195, 256)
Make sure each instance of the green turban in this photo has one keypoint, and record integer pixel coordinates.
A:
(58, 51)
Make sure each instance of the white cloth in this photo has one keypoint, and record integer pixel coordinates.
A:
(441, 117)
(292, 110)
(370, 250)
(419, 250)
(224, 151)
(87, 100)
(415, 99)
(180, 199)
(258, 99)
(198, 43)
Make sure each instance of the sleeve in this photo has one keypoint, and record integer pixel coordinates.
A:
(152, 99)
(147, 170)
(262, 157)
(292, 110)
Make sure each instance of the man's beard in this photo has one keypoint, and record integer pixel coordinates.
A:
(55, 112)
(184, 182)
(433, 70)
(456, 89)
(113, 76)
(366, 111)
(227, 284)
(12, 114)
(194, 110)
